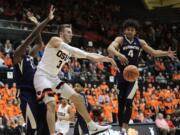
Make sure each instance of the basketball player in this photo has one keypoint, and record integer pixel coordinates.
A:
(64, 117)
(24, 70)
(127, 49)
(80, 127)
(46, 81)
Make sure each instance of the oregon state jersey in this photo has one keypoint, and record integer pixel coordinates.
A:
(24, 73)
(130, 49)
(53, 60)
(63, 111)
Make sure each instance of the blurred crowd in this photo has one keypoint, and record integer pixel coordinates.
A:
(151, 105)
(11, 120)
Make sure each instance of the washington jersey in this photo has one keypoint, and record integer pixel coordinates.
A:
(24, 73)
(130, 49)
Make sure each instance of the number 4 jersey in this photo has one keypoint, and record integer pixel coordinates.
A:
(53, 60)
(132, 50)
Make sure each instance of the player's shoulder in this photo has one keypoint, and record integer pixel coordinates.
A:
(119, 39)
(56, 39)
(54, 42)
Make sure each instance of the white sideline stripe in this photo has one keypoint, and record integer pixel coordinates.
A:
(133, 91)
(29, 115)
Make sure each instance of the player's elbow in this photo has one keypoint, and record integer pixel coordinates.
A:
(34, 33)
(109, 49)
(153, 53)
(16, 59)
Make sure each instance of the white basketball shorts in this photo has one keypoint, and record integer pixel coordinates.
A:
(43, 80)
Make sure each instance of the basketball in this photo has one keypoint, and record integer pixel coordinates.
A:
(131, 73)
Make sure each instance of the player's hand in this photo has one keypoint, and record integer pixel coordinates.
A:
(123, 59)
(32, 18)
(110, 60)
(171, 54)
(51, 12)
(113, 63)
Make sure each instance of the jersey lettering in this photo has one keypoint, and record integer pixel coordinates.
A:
(61, 114)
(59, 65)
(62, 55)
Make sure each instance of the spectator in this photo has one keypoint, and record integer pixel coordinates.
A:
(159, 65)
(170, 124)
(140, 117)
(148, 119)
(8, 60)
(163, 125)
(161, 80)
(107, 111)
(2, 65)
(8, 47)
(2, 127)
(20, 128)
(150, 78)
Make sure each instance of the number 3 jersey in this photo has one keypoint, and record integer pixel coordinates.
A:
(53, 60)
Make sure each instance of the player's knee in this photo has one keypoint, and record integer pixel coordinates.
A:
(129, 103)
(76, 98)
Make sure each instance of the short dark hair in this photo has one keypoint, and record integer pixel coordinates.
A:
(80, 82)
(63, 26)
(131, 23)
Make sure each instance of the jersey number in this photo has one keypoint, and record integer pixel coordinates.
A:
(59, 65)
(130, 53)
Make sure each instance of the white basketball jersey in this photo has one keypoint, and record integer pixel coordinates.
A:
(53, 60)
(63, 111)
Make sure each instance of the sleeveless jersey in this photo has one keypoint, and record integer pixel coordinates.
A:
(63, 111)
(131, 50)
(53, 60)
(24, 73)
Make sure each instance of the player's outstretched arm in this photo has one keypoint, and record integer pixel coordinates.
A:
(39, 43)
(157, 53)
(78, 53)
(19, 52)
(113, 49)
(100, 58)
